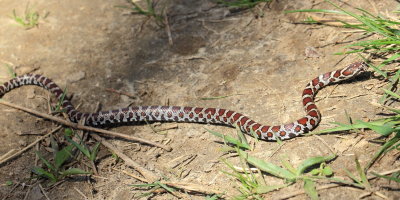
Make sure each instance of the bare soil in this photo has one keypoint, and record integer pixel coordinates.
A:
(258, 57)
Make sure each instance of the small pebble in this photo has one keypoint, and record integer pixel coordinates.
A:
(22, 143)
(312, 52)
(76, 76)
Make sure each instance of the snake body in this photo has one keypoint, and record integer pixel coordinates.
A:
(197, 114)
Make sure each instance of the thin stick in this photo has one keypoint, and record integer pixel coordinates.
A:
(86, 128)
(7, 154)
(168, 29)
(150, 176)
(193, 187)
(181, 185)
(132, 175)
(326, 144)
(29, 146)
(44, 192)
(120, 92)
(81, 193)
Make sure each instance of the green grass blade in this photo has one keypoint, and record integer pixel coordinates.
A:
(166, 187)
(46, 162)
(384, 149)
(354, 178)
(289, 166)
(229, 139)
(338, 180)
(340, 127)
(309, 188)
(313, 161)
(74, 171)
(359, 125)
(395, 177)
(362, 174)
(241, 137)
(62, 156)
(268, 167)
(43, 173)
(94, 152)
(60, 101)
(81, 148)
(385, 129)
(213, 197)
(391, 93)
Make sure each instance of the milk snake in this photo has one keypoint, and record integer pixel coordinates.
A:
(196, 114)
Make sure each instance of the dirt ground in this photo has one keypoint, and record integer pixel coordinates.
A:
(259, 58)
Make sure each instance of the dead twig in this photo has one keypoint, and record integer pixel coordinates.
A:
(132, 175)
(86, 128)
(120, 92)
(193, 187)
(326, 144)
(150, 176)
(7, 154)
(81, 193)
(43, 191)
(181, 185)
(168, 29)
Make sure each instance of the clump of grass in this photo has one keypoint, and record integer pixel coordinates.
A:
(58, 169)
(252, 187)
(29, 19)
(312, 170)
(388, 45)
(388, 30)
(150, 10)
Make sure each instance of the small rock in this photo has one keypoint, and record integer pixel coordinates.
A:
(22, 143)
(35, 193)
(77, 76)
(312, 52)
(30, 94)
(209, 167)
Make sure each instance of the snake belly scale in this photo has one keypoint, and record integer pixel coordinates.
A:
(197, 114)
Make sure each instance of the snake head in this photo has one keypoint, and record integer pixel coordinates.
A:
(355, 69)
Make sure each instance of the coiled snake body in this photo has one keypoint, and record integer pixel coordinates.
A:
(196, 114)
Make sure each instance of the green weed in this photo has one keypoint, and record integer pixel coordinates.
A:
(370, 24)
(56, 170)
(90, 154)
(149, 11)
(29, 19)
(251, 187)
(395, 176)
(57, 108)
